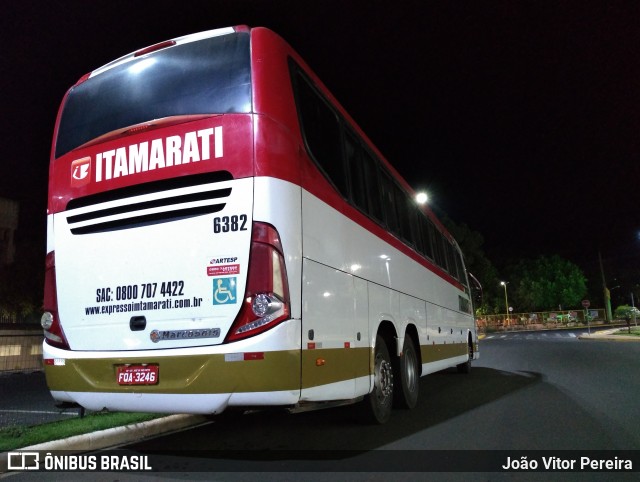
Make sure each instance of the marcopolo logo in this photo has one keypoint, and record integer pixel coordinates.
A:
(81, 172)
(165, 335)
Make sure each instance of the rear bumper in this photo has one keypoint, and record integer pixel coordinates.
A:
(258, 371)
(201, 403)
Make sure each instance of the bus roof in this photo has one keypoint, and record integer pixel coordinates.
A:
(166, 44)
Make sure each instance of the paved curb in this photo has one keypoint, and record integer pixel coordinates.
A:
(113, 436)
(609, 335)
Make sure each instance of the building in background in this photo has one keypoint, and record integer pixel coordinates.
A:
(8, 224)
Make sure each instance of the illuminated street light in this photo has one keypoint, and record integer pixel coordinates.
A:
(506, 301)
(422, 198)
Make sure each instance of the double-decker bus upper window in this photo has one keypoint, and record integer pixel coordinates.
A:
(209, 76)
(321, 131)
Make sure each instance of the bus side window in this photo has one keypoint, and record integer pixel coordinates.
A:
(321, 132)
(476, 289)
(389, 204)
(372, 181)
(363, 177)
(460, 267)
(436, 243)
(426, 246)
(441, 258)
(357, 180)
(414, 214)
(451, 260)
(404, 207)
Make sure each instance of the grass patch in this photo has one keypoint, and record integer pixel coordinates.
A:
(635, 331)
(16, 437)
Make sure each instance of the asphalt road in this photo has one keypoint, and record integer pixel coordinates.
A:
(25, 400)
(529, 391)
(535, 391)
(525, 392)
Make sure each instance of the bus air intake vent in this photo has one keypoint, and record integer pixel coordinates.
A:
(135, 212)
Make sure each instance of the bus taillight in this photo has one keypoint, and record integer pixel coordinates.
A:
(266, 301)
(50, 322)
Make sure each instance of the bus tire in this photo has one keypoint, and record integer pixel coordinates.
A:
(466, 366)
(408, 373)
(379, 402)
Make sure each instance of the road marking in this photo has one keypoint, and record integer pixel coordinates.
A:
(534, 336)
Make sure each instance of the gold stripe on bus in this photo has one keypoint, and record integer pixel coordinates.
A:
(330, 365)
(278, 370)
(432, 353)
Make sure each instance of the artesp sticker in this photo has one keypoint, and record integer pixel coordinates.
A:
(226, 269)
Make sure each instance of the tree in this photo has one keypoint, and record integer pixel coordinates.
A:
(626, 312)
(547, 283)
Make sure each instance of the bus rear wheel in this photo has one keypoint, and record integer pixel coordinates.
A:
(409, 375)
(466, 366)
(379, 402)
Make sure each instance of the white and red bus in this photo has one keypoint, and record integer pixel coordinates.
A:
(220, 233)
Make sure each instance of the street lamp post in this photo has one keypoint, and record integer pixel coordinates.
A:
(506, 301)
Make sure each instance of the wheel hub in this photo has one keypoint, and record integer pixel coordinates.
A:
(384, 378)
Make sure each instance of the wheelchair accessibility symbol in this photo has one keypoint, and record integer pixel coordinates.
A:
(224, 291)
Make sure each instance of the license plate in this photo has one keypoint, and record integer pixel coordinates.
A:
(138, 374)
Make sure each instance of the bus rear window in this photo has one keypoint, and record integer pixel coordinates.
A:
(210, 76)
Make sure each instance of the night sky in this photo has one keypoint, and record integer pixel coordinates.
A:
(520, 119)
